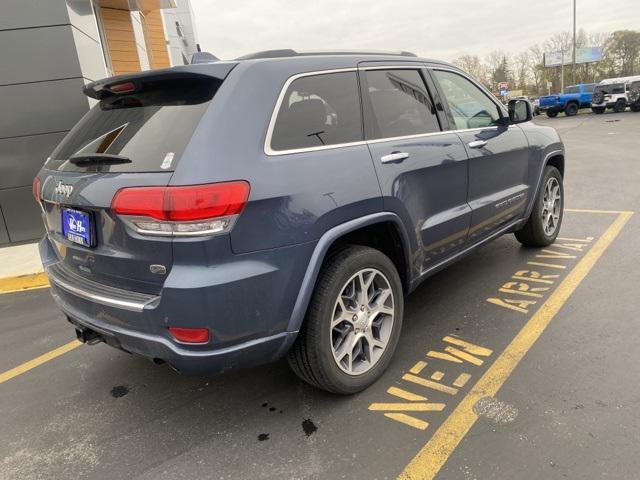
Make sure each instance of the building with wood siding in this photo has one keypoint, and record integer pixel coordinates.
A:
(48, 50)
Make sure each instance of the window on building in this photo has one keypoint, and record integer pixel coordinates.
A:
(97, 12)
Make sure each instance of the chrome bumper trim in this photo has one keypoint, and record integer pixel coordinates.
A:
(102, 299)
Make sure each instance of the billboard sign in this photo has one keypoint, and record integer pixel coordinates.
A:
(583, 55)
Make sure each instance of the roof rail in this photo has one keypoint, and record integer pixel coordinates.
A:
(288, 52)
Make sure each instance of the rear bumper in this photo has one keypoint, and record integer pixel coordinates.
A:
(191, 362)
(246, 305)
(603, 105)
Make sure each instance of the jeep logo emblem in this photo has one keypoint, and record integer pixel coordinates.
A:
(62, 189)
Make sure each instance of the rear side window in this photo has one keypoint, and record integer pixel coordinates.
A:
(150, 127)
(318, 110)
(611, 88)
(572, 90)
(398, 104)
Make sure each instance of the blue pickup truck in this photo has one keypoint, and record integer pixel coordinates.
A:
(573, 99)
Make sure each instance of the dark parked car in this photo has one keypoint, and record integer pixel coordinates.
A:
(227, 214)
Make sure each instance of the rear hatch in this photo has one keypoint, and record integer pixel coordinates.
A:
(134, 136)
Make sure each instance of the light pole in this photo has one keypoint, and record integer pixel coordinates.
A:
(573, 69)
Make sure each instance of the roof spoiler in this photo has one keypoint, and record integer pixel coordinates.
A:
(134, 82)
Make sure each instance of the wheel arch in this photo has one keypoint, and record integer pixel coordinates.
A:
(393, 241)
(554, 158)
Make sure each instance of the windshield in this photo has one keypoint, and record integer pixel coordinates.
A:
(151, 127)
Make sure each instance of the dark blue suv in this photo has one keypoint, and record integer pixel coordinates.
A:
(229, 213)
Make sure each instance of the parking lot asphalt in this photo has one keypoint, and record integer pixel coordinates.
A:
(487, 383)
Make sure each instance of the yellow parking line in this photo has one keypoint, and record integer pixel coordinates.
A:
(430, 459)
(612, 212)
(31, 364)
(23, 282)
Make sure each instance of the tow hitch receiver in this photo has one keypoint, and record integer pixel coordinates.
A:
(88, 336)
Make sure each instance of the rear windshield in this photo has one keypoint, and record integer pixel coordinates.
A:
(151, 128)
(611, 88)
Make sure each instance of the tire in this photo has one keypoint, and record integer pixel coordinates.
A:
(571, 110)
(551, 114)
(635, 107)
(598, 110)
(534, 233)
(312, 355)
(620, 106)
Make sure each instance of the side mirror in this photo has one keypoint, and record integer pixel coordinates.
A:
(520, 111)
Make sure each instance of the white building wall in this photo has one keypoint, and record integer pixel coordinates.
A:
(179, 26)
(141, 45)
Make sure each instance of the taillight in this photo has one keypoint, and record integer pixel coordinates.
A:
(126, 87)
(35, 189)
(186, 210)
(190, 335)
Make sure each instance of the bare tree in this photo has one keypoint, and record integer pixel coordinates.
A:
(474, 66)
(526, 70)
(538, 72)
(521, 67)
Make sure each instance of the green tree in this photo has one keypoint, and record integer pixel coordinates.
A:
(502, 72)
(623, 51)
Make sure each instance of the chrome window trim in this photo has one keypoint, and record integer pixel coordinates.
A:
(267, 141)
(418, 66)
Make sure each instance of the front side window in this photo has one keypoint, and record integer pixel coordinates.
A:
(398, 104)
(469, 106)
(319, 110)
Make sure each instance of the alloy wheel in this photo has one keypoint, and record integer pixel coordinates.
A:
(362, 321)
(551, 206)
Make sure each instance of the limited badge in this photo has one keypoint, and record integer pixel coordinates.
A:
(168, 160)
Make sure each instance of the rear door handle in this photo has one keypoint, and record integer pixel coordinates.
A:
(394, 157)
(477, 144)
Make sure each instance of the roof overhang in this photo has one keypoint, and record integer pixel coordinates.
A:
(138, 5)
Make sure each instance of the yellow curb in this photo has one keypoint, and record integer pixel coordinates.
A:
(23, 282)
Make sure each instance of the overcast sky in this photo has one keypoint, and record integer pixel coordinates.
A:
(442, 29)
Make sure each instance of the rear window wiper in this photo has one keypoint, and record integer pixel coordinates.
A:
(97, 158)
